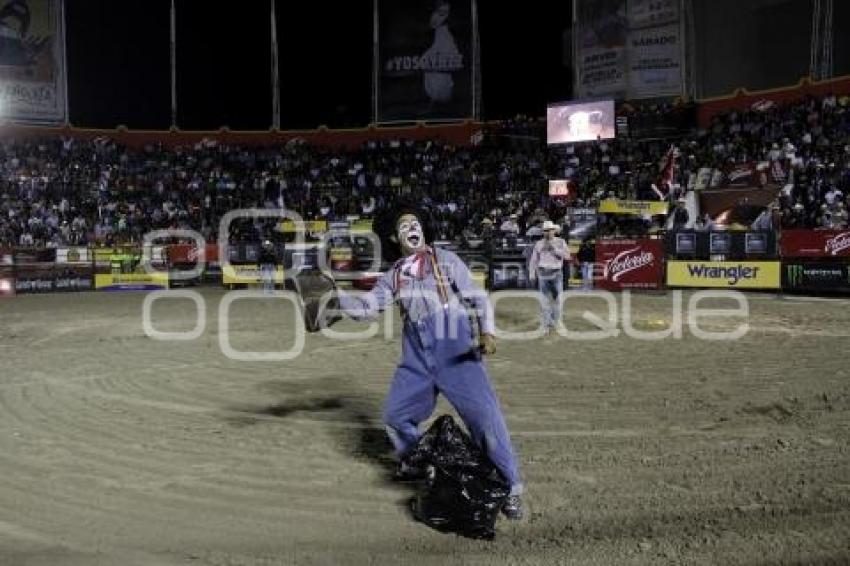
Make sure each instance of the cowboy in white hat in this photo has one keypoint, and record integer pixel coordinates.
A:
(546, 268)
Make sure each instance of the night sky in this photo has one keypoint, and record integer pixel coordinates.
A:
(119, 73)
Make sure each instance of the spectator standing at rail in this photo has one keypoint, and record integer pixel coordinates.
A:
(680, 215)
(510, 231)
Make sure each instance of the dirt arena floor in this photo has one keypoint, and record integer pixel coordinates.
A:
(120, 449)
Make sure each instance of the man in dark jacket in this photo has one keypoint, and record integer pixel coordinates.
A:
(587, 257)
(680, 215)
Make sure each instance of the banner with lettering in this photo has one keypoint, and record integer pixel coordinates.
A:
(602, 29)
(724, 274)
(816, 276)
(425, 60)
(32, 61)
(815, 243)
(633, 207)
(654, 56)
(629, 264)
(628, 48)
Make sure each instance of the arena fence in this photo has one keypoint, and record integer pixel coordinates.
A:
(811, 261)
(459, 134)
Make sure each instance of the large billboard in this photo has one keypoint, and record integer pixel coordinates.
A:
(32, 61)
(425, 60)
(628, 48)
(601, 33)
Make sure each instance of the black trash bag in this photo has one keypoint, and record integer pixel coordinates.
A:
(463, 491)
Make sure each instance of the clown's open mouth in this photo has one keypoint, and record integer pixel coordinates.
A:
(413, 240)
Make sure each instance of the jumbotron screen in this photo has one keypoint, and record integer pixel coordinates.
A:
(586, 121)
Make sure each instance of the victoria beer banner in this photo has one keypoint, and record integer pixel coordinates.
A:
(424, 60)
(629, 264)
(815, 243)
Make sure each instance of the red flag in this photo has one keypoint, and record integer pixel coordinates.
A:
(668, 166)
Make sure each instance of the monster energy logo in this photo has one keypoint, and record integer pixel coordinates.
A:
(827, 276)
(795, 275)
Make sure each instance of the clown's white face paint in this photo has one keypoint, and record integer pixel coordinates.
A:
(410, 234)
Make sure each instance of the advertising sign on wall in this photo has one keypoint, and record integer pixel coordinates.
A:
(816, 276)
(630, 264)
(724, 274)
(815, 243)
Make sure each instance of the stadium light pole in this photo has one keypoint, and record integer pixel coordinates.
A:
(574, 54)
(66, 96)
(375, 61)
(476, 64)
(275, 71)
(173, 37)
(814, 47)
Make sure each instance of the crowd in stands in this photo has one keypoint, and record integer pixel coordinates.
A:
(806, 145)
(72, 191)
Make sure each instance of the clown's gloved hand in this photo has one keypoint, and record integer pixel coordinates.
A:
(488, 344)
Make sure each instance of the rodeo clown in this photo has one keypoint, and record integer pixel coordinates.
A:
(440, 346)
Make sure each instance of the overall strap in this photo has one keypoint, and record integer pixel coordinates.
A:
(472, 314)
(397, 288)
(441, 282)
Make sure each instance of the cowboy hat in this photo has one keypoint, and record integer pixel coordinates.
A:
(549, 225)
